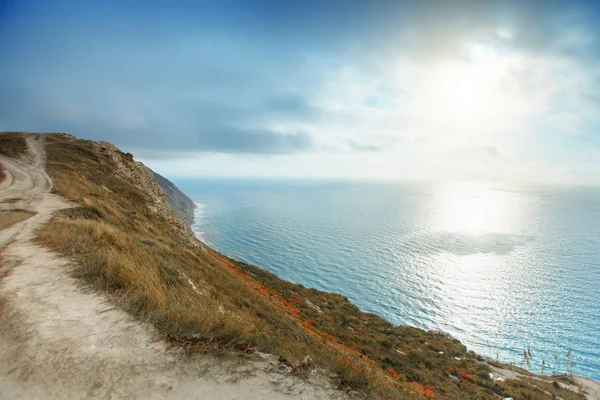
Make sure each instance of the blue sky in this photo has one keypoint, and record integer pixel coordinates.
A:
(493, 90)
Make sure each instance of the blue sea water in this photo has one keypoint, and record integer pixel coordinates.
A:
(500, 268)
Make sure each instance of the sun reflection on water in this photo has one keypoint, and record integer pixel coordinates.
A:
(474, 208)
(484, 221)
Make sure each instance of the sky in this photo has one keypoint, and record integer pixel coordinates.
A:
(385, 90)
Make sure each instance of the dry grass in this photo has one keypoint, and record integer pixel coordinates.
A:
(125, 248)
(198, 297)
(548, 385)
(12, 144)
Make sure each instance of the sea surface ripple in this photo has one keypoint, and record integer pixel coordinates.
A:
(502, 269)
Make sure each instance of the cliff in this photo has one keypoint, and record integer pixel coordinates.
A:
(59, 338)
(183, 205)
(125, 240)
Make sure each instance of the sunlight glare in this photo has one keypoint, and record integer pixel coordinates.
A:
(474, 208)
(467, 93)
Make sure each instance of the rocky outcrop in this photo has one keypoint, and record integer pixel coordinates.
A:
(181, 204)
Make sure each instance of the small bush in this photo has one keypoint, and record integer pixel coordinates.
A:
(483, 374)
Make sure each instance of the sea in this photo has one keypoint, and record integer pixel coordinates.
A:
(501, 268)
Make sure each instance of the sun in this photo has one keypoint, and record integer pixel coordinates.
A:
(464, 93)
(462, 90)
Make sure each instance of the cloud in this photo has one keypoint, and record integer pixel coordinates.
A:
(187, 130)
(252, 141)
(492, 151)
(359, 147)
(287, 80)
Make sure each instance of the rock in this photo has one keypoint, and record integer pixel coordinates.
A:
(313, 306)
(356, 395)
(305, 366)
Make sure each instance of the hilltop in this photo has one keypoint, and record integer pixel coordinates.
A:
(114, 260)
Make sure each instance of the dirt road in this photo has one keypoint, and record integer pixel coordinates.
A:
(61, 341)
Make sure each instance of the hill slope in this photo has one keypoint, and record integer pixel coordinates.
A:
(58, 340)
(129, 243)
(183, 205)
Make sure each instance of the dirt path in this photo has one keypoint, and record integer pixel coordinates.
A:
(590, 388)
(59, 341)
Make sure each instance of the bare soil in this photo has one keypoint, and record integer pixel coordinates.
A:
(10, 217)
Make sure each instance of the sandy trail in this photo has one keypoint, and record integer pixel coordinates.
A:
(590, 388)
(59, 341)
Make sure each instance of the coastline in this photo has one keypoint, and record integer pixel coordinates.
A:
(586, 381)
(175, 283)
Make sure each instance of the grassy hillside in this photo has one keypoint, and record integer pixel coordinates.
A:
(12, 144)
(128, 242)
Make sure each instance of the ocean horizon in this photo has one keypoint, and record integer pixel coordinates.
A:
(501, 268)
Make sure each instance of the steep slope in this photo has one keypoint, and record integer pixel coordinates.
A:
(182, 205)
(58, 341)
(127, 242)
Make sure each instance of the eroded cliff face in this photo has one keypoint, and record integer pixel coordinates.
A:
(181, 204)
